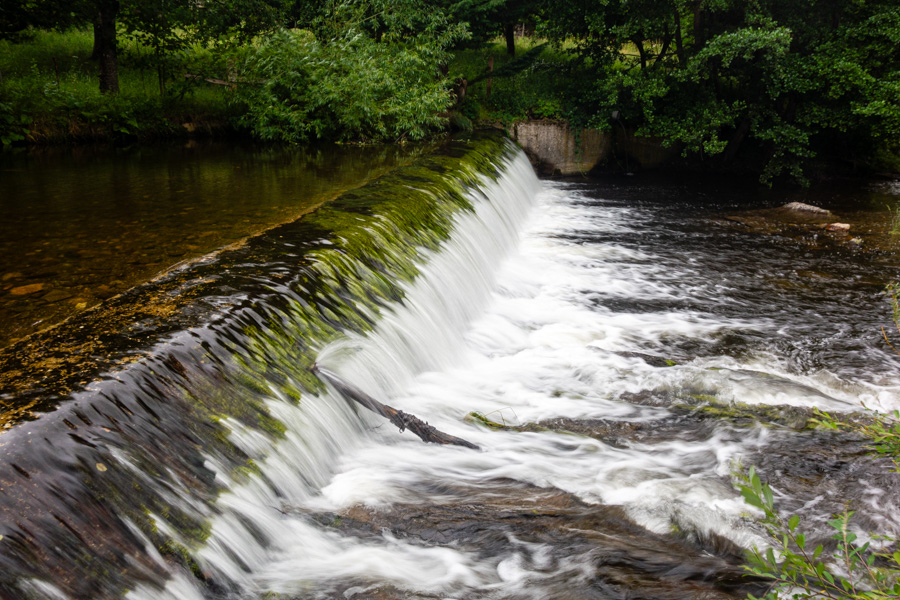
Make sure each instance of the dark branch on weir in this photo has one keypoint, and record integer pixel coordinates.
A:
(402, 420)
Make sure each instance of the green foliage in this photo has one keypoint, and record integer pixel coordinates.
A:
(171, 28)
(853, 571)
(13, 126)
(17, 16)
(539, 82)
(296, 88)
(489, 18)
(777, 81)
(893, 292)
(174, 29)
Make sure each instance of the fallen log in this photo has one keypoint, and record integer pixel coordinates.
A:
(402, 420)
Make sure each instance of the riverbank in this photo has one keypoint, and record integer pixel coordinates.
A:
(288, 85)
(49, 95)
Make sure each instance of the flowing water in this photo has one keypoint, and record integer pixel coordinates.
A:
(617, 350)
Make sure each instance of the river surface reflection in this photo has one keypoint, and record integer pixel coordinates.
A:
(81, 225)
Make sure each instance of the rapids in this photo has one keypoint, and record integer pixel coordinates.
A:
(616, 353)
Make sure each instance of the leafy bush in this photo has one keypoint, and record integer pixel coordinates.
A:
(295, 88)
(882, 430)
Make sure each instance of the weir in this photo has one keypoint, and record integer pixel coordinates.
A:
(614, 363)
(123, 482)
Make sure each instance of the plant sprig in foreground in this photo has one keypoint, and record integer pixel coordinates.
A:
(852, 571)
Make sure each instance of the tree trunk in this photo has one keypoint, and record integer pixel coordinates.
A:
(699, 25)
(734, 145)
(95, 51)
(679, 43)
(509, 32)
(639, 44)
(665, 47)
(107, 46)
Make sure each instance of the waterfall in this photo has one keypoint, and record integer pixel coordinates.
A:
(193, 463)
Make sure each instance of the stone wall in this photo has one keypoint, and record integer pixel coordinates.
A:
(555, 148)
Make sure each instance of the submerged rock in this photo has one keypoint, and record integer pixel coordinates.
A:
(809, 226)
(24, 290)
(572, 549)
(650, 359)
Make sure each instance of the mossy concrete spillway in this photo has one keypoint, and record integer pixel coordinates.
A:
(110, 416)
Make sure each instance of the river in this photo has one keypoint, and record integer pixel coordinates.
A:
(618, 349)
(78, 226)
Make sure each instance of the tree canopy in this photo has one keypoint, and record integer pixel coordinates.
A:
(774, 84)
(362, 70)
(781, 80)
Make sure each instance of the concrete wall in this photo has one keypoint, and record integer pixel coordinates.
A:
(555, 148)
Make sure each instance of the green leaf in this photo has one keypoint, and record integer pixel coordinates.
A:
(751, 497)
(793, 522)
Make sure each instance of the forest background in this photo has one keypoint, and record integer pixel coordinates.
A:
(788, 89)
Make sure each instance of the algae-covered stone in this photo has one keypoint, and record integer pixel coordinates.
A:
(711, 406)
(653, 361)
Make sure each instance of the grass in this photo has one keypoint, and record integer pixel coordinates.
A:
(49, 92)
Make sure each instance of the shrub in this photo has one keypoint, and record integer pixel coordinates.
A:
(295, 88)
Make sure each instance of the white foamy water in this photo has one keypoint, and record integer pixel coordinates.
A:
(509, 319)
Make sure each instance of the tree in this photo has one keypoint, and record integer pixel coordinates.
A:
(489, 18)
(778, 81)
(167, 26)
(362, 71)
(17, 16)
(106, 45)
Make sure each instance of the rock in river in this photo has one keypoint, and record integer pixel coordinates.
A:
(808, 208)
(24, 290)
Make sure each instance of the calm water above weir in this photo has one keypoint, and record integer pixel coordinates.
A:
(79, 226)
(616, 349)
